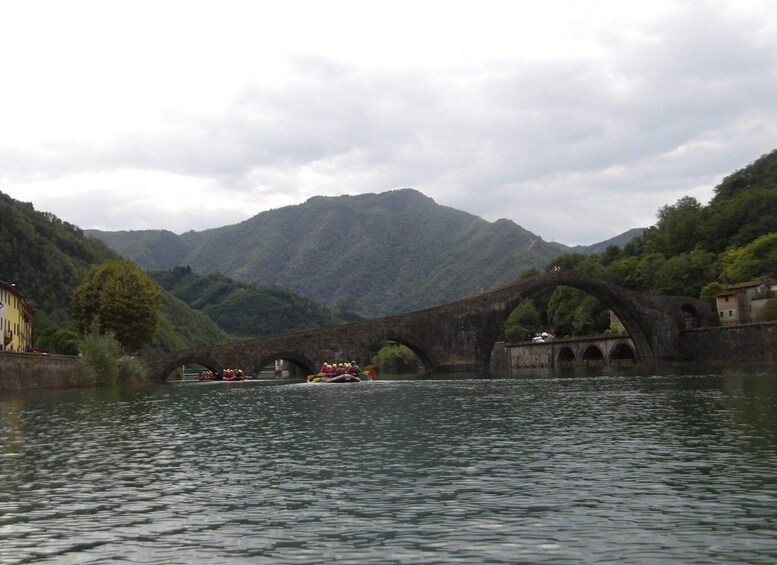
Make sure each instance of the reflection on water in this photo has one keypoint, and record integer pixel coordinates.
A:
(544, 468)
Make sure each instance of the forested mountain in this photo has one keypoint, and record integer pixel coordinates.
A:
(374, 253)
(246, 310)
(47, 259)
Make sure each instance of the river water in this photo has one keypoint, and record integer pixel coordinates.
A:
(529, 469)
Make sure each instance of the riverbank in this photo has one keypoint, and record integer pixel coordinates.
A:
(746, 344)
(742, 344)
(27, 371)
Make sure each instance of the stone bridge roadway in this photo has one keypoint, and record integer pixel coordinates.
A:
(458, 336)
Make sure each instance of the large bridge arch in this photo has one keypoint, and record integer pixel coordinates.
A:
(601, 291)
(653, 322)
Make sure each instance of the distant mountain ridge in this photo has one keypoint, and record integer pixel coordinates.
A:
(378, 254)
(619, 241)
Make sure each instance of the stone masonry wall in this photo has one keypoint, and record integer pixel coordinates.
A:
(744, 344)
(24, 371)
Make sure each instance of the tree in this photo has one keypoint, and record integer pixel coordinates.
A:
(686, 274)
(753, 261)
(770, 310)
(709, 292)
(678, 226)
(123, 299)
(64, 341)
(522, 322)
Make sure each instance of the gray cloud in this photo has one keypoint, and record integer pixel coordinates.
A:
(575, 150)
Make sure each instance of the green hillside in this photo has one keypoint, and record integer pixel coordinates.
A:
(47, 259)
(374, 253)
(245, 310)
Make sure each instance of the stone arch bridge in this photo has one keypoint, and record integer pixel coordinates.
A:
(458, 336)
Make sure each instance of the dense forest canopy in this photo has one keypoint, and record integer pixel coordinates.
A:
(247, 310)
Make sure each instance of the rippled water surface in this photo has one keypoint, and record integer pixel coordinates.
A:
(641, 468)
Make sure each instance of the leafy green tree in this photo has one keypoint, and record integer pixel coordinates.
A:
(123, 299)
(770, 310)
(561, 310)
(753, 261)
(622, 271)
(709, 292)
(686, 274)
(574, 312)
(522, 322)
(611, 254)
(678, 226)
(582, 321)
(64, 341)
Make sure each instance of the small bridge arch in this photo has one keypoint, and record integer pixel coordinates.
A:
(622, 353)
(566, 357)
(185, 358)
(301, 361)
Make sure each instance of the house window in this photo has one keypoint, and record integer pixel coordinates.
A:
(730, 313)
(721, 313)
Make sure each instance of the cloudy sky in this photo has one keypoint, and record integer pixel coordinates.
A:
(576, 120)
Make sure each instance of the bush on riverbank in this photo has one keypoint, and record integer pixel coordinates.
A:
(101, 362)
(132, 371)
(99, 359)
(395, 358)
